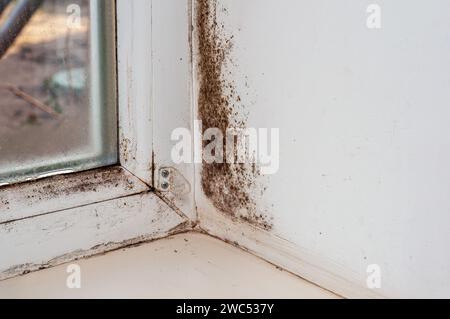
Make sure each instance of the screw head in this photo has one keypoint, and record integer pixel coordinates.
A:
(165, 173)
(165, 186)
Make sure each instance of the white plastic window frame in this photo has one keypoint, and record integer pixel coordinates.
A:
(60, 218)
(133, 174)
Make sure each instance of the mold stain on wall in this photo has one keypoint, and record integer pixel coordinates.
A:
(232, 188)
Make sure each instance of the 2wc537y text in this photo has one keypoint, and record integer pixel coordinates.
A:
(226, 309)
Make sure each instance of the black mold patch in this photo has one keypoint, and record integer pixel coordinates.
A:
(230, 187)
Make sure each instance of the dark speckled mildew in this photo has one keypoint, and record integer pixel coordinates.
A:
(230, 187)
(56, 187)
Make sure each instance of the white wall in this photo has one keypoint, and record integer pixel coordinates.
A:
(365, 140)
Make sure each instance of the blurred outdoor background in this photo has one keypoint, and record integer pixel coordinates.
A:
(44, 86)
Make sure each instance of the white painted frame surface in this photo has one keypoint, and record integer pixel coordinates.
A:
(54, 220)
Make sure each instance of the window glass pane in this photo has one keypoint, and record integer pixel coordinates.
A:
(57, 87)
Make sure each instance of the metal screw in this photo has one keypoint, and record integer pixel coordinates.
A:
(165, 173)
(165, 186)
